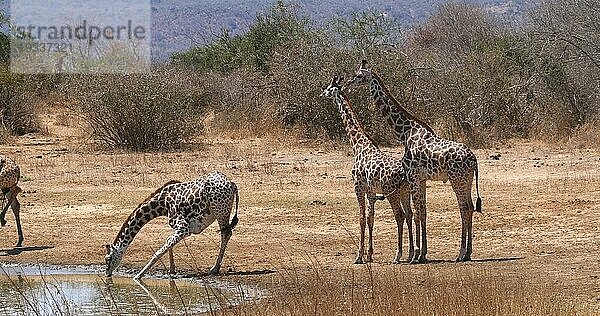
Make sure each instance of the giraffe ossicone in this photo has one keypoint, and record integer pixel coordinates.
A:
(427, 157)
(373, 173)
(190, 206)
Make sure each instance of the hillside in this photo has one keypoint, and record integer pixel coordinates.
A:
(179, 24)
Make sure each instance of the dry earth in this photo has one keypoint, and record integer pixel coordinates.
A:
(540, 221)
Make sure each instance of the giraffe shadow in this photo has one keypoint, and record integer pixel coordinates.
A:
(228, 273)
(18, 250)
(253, 272)
(242, 273)
(441, 261)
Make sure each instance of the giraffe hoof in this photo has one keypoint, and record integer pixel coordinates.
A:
(213, 271)
(358, 260)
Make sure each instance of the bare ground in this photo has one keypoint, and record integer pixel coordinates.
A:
(540, 222)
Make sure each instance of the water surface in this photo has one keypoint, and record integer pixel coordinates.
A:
(31, 290)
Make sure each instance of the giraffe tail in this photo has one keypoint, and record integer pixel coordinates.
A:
(478, 203)
(235, 219)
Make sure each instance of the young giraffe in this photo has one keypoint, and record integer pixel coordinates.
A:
(427, 157)
(9, 177)
(191, 207)
(373, 173)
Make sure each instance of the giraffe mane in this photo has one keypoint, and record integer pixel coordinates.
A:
(122, 230)
(403, 109)
(355, 119)
(158, 191)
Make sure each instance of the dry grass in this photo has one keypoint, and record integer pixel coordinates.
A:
(366, 290)
(536, 244)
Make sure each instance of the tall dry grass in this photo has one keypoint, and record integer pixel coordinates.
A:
(365, 290)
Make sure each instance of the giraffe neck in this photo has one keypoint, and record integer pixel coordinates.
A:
(143, 214)
(358, 138)
(406, 127)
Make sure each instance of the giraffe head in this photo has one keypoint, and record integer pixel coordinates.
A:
(333, 88)
(113, 259)
(362, 76)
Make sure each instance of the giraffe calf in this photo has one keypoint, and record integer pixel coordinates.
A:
(191, 208)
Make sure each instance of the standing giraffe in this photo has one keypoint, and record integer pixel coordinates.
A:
(427, 157)
(9, 177)
(373, 173)
(191, 207)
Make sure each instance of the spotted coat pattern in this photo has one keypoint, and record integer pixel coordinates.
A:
(373, 173)
(9, 177)
(190, 206)
(427, 157)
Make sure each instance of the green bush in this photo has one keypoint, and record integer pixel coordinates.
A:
(251, 50)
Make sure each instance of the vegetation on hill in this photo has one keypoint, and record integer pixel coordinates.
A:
(471, 76)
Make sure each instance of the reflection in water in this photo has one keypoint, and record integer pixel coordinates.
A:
(91, 294)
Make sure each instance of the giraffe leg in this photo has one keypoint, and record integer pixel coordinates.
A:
(360, 196)
(226, 232)
(171, 261)
(3, 214)
(399, 215)
(462, 189)
(176, 237)
(417, 224)
(16, 207)
(9, 196)
(469, 217)
(418, 193)
(14, 204)
(370, 223)
(225, 236)
(405, 198)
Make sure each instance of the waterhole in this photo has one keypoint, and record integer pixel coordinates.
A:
(30, 290)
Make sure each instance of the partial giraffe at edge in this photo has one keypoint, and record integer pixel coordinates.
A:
(427, 157)
(373, 172)
(191, 207)
(9, 178)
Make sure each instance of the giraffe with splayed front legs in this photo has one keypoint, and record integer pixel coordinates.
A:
(373, 173)
(191, 208)
(9, 177)
(427, 157)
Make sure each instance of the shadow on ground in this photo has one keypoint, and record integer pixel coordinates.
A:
(17, 250)
(437, 261)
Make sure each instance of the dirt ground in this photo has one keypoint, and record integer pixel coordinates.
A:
(540, 221)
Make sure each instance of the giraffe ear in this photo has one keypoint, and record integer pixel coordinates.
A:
(340, 82)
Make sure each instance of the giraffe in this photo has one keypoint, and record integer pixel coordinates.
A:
(374, 172)
(191, 207)
(9, 177)
(427, 157)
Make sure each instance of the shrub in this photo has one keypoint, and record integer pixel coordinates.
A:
(147, 112)
(17, 106)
